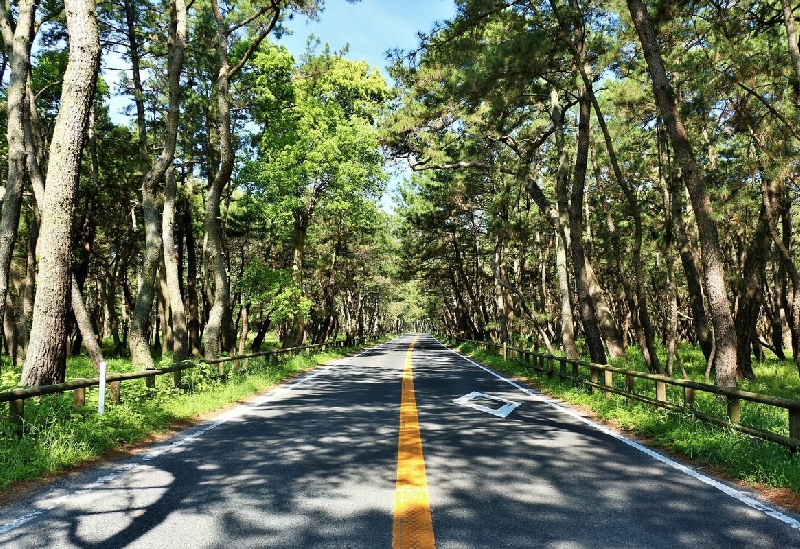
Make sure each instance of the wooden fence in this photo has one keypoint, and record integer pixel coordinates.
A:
(652, 389)
(16, 397)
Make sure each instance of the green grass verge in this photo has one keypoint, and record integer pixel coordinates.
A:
(57, 436)
(732, 453)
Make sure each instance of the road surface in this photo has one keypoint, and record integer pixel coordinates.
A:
(333, 460)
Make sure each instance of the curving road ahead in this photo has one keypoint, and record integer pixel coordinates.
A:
(315, 464)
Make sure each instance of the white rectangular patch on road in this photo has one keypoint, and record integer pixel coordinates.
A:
(475, 398)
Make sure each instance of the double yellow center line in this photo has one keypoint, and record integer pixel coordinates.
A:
(413, 527)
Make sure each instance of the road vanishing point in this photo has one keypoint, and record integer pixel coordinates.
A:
(405, 445)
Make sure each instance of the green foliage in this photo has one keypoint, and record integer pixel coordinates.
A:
(275, 290)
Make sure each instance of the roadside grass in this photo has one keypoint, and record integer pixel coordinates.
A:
(58, 437)
(734, 454)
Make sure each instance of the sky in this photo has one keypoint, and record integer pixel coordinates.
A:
(370, 27)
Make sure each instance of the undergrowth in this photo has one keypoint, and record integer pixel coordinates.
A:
(735, 454)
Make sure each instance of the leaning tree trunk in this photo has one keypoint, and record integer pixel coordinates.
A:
(716, 288)
(85, 327)
(47, 351)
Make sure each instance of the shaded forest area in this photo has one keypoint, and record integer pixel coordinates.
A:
(591, 179)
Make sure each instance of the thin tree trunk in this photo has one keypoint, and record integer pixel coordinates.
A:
(140, 319)
(561, 225)
(751, 294)
(180, 348)
(46, 360)
(591, 328)
(85, 325)
(17, 37)
(192, 302)
(213, 335)
(716, 288)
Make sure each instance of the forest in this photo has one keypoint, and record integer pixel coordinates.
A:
(590, 179)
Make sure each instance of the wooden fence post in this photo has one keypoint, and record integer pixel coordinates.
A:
(661, 391)
(16, 414)
(595, 378)
(576, 374)
(794, 424)
(608, 381)
(734, 410)
(113, 392)
(562, 370)
(150, 381)
(688, 398)
(505, 351)
(550, 368)
(630, 386)
(176, 378)
(79, 397)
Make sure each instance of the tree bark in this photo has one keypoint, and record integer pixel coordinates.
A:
(751, 293)
(560, 222)
(716, 288)
(591, 328)
(213, 335)
(85, 325)
(46, 358)
(17, 37)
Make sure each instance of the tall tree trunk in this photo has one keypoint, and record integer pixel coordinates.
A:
(177, 37)
(140, 352)
(192, 302)
(17, 37)
(302, 220)
(46, 358)
(591, 328)
(639, 309)
(560, 221)
(180, 348)
(138, 339)
(716, 288)
(213, 335)
(751, 295)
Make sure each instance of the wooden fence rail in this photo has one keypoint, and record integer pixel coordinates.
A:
(16, 397)
(573, 370)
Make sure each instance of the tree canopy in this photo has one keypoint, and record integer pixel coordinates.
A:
(600, 180)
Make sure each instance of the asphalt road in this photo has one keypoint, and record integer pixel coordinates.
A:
(313, 464)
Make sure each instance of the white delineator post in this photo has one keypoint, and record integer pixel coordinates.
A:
(101, 401)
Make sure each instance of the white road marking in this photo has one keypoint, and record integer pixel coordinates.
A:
(48, 501)
(724, 488)
(469, 401)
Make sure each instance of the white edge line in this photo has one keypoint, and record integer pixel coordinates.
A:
(724, 488)
(180, 441)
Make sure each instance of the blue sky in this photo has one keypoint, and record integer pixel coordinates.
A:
(370, 27)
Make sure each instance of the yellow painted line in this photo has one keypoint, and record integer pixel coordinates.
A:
(413, 527)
